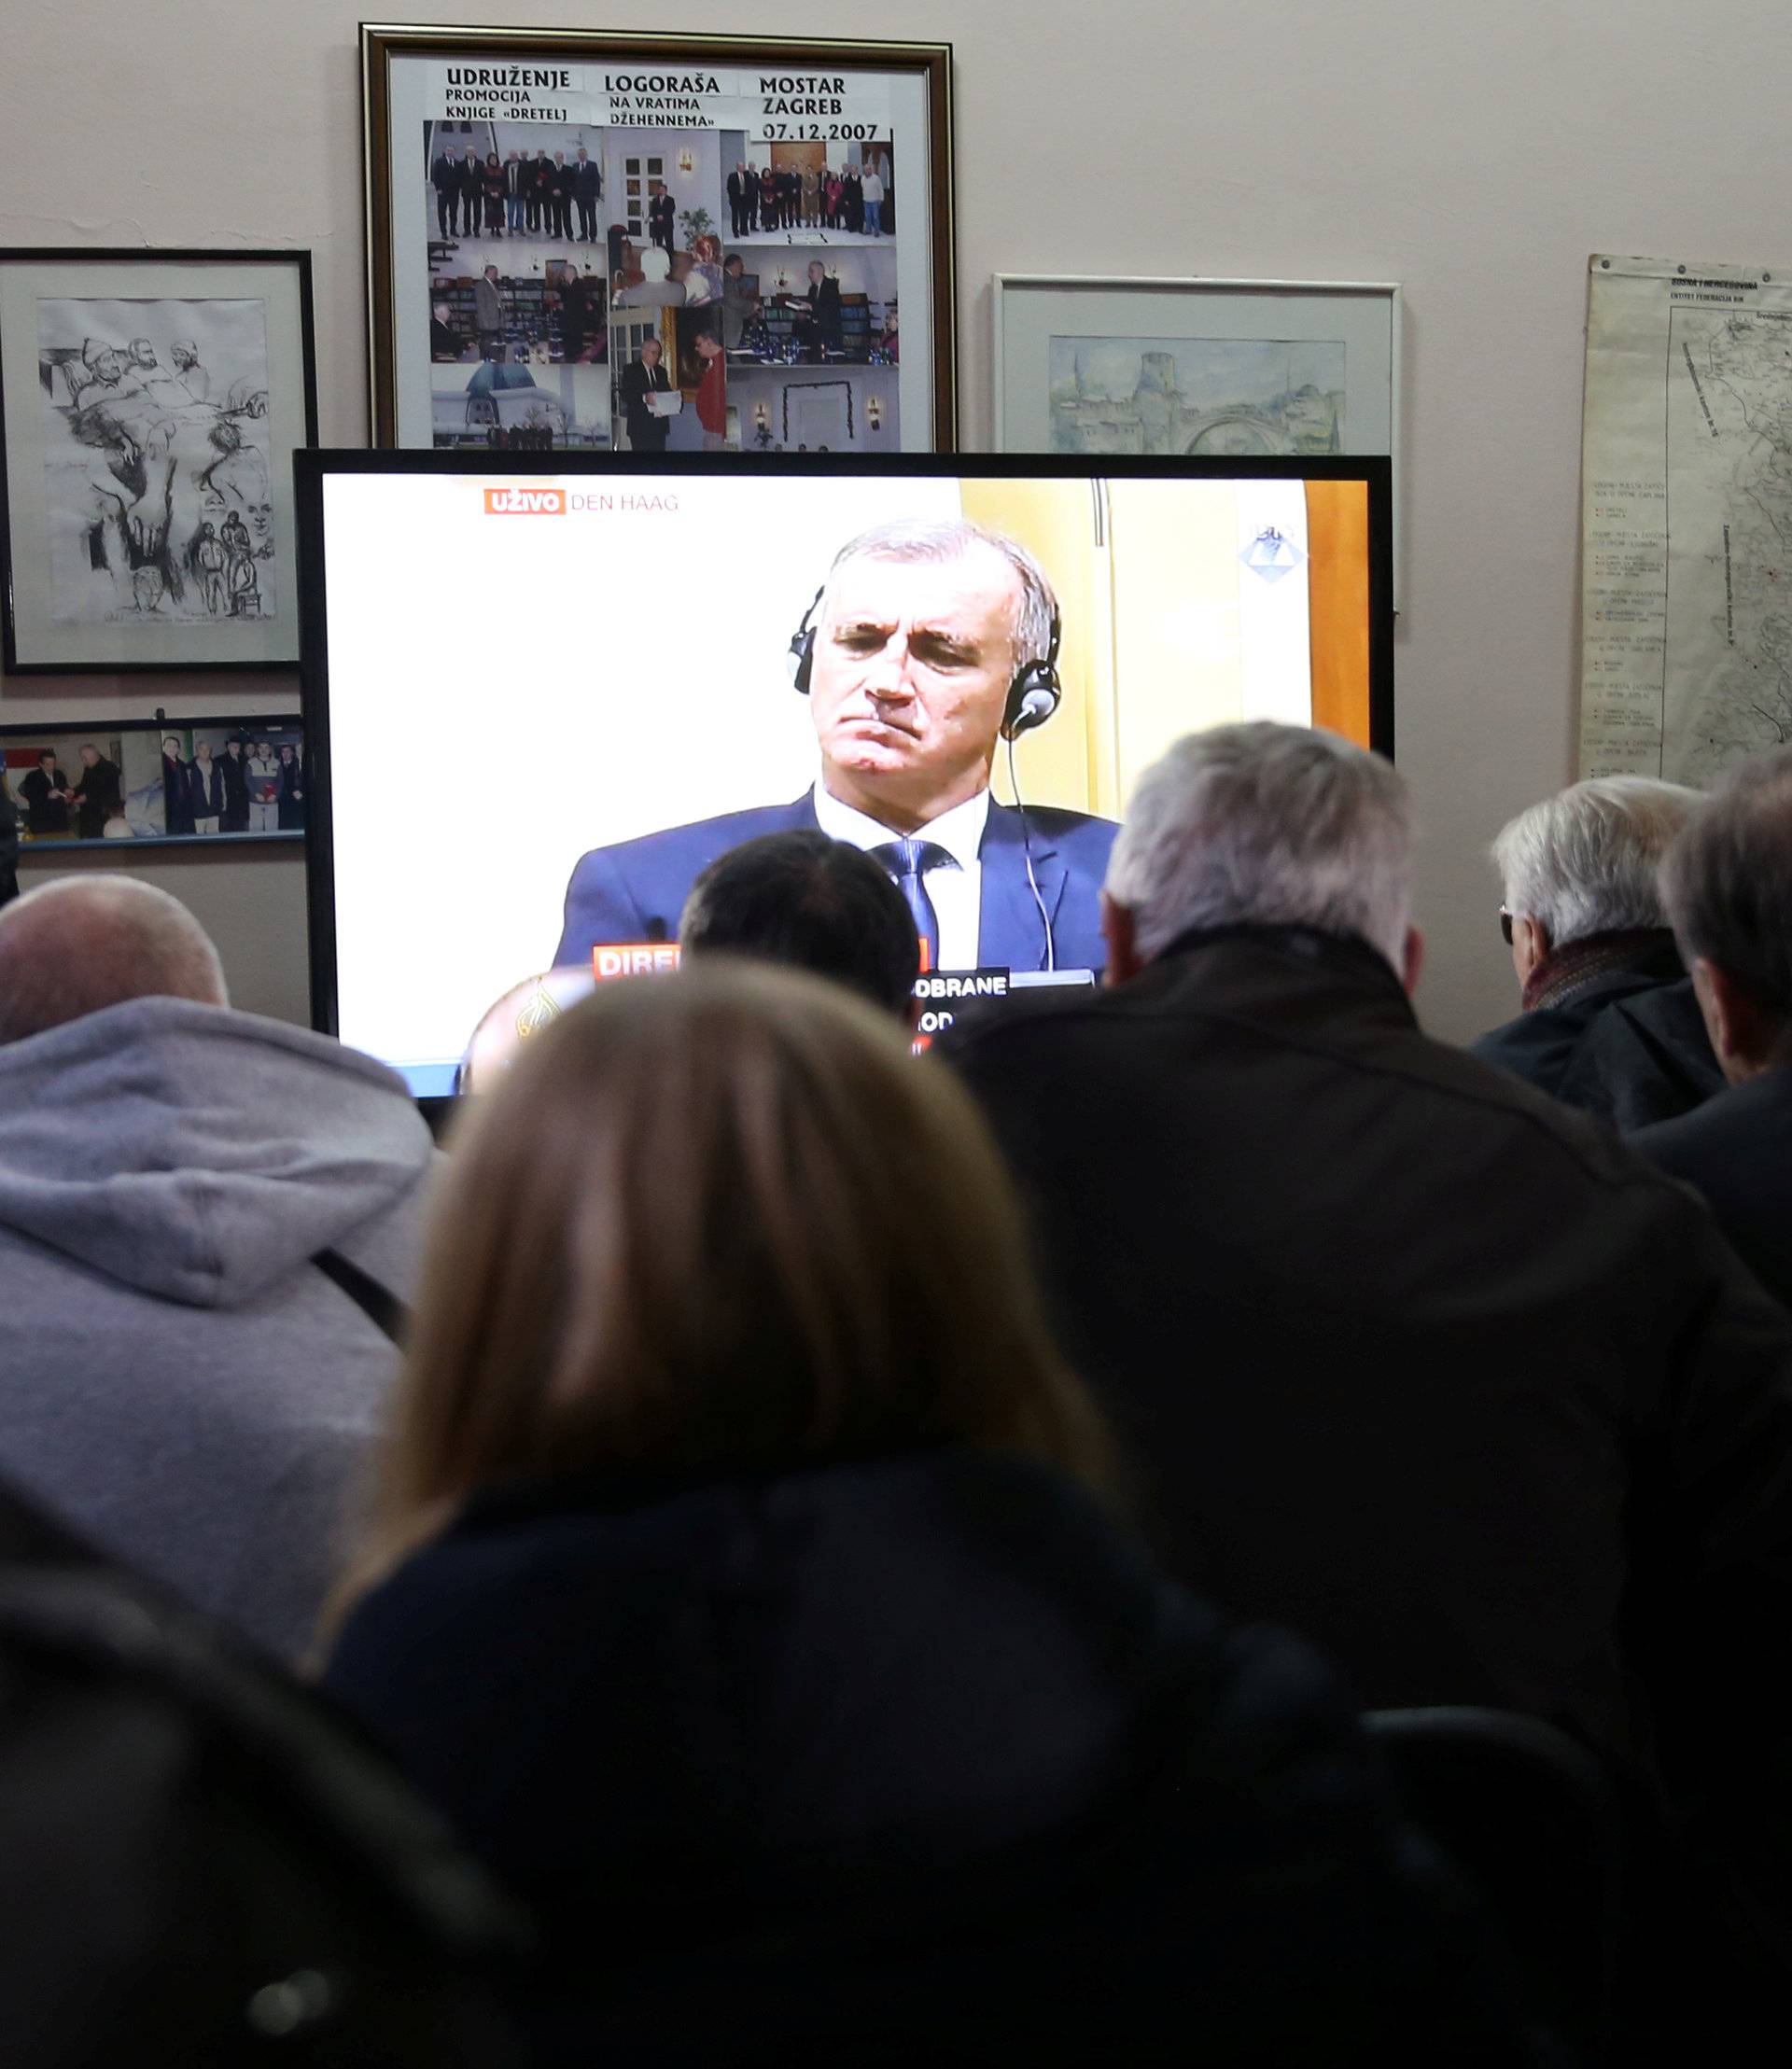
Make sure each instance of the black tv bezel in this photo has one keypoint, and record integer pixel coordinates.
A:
(313, 464)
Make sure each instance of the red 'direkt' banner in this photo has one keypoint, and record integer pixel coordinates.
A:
(634, 958)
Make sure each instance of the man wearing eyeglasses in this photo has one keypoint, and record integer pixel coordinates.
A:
(1609, 1023)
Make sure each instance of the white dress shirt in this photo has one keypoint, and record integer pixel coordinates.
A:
(955, 887)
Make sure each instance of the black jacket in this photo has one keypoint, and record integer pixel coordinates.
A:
(209, 793)
(1418, 1363)
(97, 795)
(823, 298)
(1628, 1045)
(8, 850)
(915, 1759)
(177, 795)
(236, 786)
(45, 811)
(1737, 1149)
(647, 433)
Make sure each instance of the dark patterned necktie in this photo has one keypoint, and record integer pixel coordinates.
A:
(908, 862)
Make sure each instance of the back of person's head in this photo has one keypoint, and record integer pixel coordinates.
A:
(85, 942)
(1585, 860)
(1726, 885)
(712, 1223)
(1266, 825)
(815, 903)
(508, 1026)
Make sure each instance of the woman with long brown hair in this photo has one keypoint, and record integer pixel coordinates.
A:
(720, 1226)
(745, 1580)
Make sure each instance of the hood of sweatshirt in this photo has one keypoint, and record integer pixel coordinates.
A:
(197, 1153)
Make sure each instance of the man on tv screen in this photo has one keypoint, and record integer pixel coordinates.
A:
(928, 645)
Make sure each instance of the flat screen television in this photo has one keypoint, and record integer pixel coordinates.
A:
(542, 689)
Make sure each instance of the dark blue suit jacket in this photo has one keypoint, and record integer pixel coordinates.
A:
(619, 894)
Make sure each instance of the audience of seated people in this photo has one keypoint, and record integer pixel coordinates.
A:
(1421, 1363)
(811, 1626)
(185, 1193)
(749, 1581)
(1609, 1023)
(1727, 883)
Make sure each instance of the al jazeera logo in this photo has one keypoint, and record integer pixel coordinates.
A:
(525, 502)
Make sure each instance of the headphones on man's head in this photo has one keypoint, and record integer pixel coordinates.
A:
(1033, 695)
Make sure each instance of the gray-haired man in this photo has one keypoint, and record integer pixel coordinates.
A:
(1416, 1361)
(1609, 1022)
(1727, 883)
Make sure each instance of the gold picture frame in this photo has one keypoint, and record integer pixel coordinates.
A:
(482, 143)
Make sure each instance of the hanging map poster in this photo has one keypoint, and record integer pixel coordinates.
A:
(1686, 517)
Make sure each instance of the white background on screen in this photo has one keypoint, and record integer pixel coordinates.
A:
(507, 691)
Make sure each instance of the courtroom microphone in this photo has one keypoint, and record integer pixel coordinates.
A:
(1027, 707)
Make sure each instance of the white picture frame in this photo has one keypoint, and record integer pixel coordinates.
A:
(1269, 367)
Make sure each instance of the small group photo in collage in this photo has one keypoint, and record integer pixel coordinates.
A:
(161, 779)
(714, 335)
(775, 191)
(518, 286)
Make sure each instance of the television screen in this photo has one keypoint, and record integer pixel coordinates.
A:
(543, 694)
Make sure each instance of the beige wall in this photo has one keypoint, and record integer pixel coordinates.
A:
(1475, 154)
(251, 902)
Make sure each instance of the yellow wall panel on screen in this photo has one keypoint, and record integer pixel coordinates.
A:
(1073, 758)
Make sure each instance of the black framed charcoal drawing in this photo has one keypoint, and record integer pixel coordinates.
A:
(151, 402)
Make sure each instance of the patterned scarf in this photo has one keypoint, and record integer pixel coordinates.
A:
(1575, 967)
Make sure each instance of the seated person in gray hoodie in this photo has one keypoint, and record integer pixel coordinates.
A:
(205, 1218)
